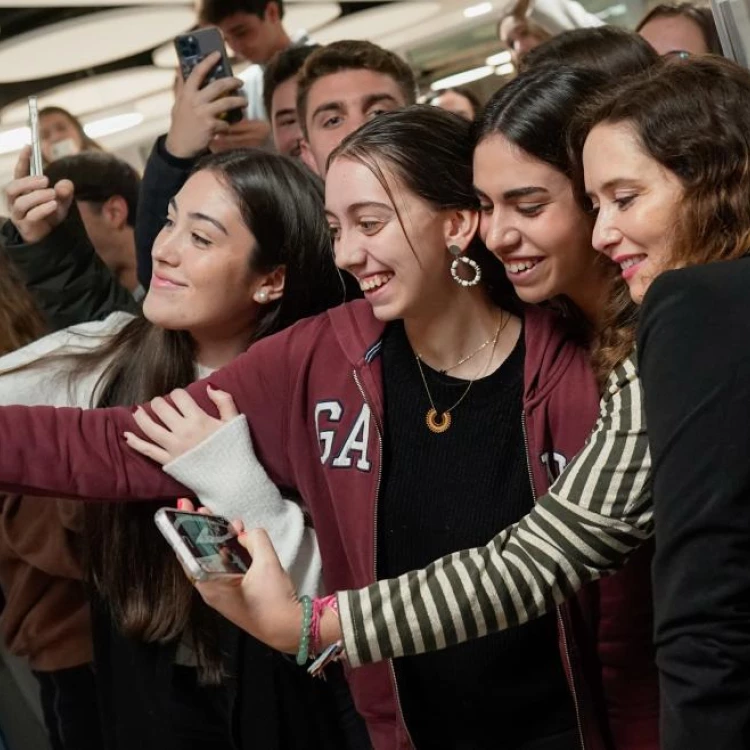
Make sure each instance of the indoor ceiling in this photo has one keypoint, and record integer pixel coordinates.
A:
(112, 65)
(44, 48)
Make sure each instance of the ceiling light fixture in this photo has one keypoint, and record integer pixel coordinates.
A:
(499, 59)
(477, 10)
(459, 79)
(110, 125)
(14, 140)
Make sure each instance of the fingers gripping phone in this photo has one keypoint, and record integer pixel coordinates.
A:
(36, 167)
(194, 47)
(207, 546)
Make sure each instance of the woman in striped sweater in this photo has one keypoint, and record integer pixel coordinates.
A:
(652, 216)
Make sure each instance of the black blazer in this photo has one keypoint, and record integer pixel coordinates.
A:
(694, 360)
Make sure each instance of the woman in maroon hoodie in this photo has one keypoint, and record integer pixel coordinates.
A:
(430, 390)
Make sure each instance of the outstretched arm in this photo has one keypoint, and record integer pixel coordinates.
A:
(77, 453)
(593, 517)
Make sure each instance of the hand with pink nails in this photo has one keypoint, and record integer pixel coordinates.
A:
(183, 424)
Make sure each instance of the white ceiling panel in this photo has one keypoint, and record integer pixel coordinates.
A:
(97, 93)
(87, 41)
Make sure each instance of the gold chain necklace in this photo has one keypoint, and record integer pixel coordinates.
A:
(440, 423)
(467, 357)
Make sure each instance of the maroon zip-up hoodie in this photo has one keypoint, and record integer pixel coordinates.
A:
(313, 395)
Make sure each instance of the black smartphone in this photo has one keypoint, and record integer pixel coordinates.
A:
(194, 47)
(207, 546)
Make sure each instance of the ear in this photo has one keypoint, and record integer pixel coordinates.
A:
(460, 228)
(307, 157)
(272, 14)
(115, 211)
(270, 286)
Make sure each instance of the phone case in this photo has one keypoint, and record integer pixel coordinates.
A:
(196, 46)
(170, 533)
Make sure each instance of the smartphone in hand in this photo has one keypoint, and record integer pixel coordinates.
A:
(207, 546)
(194, 47)
(37, 166)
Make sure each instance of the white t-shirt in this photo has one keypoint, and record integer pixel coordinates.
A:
(253, 80)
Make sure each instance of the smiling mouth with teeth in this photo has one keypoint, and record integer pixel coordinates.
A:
(630, 262)
(374, 282)
(519, 266)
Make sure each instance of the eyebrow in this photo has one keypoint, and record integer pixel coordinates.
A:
(359, 207)
(373, 99)
(369, 101)
(613, 183)
(523, 192)
(200, 217)
(284, 113)
(327, 107)
(368, 204)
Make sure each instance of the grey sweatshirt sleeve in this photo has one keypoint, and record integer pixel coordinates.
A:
(598, 511)
(229, 480)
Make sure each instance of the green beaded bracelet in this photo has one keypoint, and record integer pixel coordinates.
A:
(304, 640)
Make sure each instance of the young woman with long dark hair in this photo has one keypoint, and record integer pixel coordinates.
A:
(245, 252)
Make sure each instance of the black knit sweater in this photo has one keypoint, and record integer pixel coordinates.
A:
(444, 492)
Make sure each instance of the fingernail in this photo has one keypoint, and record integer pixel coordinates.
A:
(181, 504)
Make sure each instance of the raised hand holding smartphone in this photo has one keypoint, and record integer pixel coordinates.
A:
(198, 109)
(35, 207)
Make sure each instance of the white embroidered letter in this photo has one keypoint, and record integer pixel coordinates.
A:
(358, 441)
(325, 437)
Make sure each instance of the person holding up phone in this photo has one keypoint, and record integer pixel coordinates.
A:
(197, 120)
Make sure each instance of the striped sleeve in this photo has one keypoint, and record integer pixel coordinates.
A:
(597, 512)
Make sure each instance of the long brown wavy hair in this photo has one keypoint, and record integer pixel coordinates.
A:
(692, 118)
(20, 319)
(130, 566)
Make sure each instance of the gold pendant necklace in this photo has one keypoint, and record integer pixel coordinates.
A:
(440, 423)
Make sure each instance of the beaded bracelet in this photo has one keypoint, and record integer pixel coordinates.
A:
(304, 640)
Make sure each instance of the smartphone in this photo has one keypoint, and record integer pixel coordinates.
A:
(36, 167)
(207, 546)
(196, 46)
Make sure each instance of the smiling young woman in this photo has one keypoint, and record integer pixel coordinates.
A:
(232, 265)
